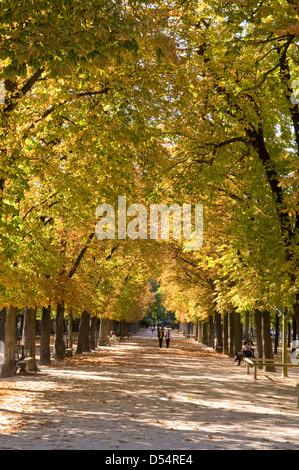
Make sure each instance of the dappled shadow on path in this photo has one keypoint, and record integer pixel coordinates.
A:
(137, 396)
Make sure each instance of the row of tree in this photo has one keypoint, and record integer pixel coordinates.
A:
(235, 142)
(186, 102)
(227, 333)
(76, 130)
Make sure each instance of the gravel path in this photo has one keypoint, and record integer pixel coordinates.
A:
(135, 396)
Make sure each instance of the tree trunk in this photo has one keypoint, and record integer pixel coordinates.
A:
(296, 314)
(232, 352)
(132, 328)
(219, 340)
(83, 336)
(294, 334)
(29, 333)
(93, 333)
(205, 333)
(45, 356)
(276, 342)
(70, 327)
(258, 332)
(59, 330)
(284, 345)
(199, 337)
(102, 331)
(211, 332)
(268, 351)
(289, 334)
(2, 323)
(238, 332)
(246, 332)
(122, 328)
(105, 328)
(225, 334)
(196, 331)
(8, 368)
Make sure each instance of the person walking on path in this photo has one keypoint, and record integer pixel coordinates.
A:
(167, 337)
(160, 335)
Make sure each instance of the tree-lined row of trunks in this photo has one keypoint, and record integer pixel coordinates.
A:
(54, 335)
(226, 334)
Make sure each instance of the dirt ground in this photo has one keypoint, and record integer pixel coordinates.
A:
(135, 396)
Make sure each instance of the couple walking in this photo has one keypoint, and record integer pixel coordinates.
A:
(161, 335)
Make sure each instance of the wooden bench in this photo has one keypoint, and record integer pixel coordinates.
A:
(68, 352)
(255, 363)
(27, 364)
(267, 362)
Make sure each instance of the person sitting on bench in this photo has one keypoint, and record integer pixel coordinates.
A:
(246, 352)
(112, 338)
